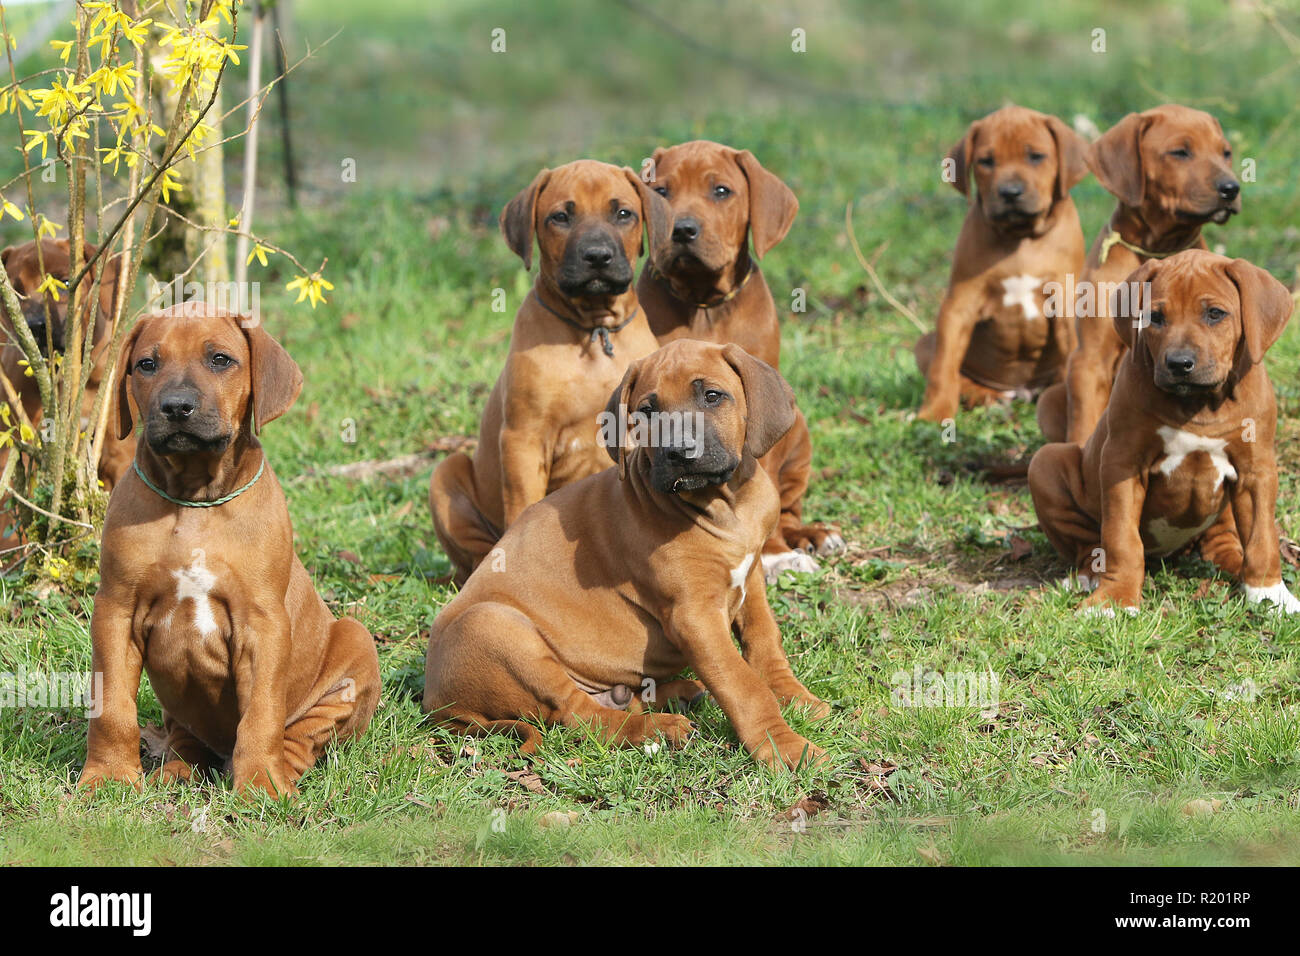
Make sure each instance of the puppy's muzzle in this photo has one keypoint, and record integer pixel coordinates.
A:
(1181, 372)
(595, 265)
(34, 315)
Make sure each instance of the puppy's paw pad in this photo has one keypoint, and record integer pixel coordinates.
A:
(800, 562)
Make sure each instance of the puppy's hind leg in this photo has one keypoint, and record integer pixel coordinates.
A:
(1055, 483)
(347, 704)
(466, 536)
(184, 755)
(490, 669)
(1221, 544)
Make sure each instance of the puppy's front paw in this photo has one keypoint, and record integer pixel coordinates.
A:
(814, 538)
(1104, 604)
(800, 562)
(1278, 595)
(786, 749)
(675, 729)
(173, 771)
(275, 786)
(95, 775)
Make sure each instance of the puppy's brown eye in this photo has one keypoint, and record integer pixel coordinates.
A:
(712, 396)
(1037, 157)
(221, 360)
(1181, 152)
(558, 218)
(721, 192)
(985, 161)
(624, 215)
(1214, 316)
(146, 365)
(662, 190)
(1156, 318)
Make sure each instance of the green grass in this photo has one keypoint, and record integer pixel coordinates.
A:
(1123, 721)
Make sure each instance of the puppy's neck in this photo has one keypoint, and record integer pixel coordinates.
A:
(699, 289)
(1153, 230)
(202, 476)
(587, 312)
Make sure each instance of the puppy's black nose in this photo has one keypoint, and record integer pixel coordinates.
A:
(681, 452)
(178, 406)
(686, 230)
(1180, 361)
(1011, 191)
(598, 256)
(1228, 189)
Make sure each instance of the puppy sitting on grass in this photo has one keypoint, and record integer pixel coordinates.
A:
(1184, 452)
(605, 590)
(199, 582)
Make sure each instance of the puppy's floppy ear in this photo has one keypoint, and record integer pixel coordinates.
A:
(1266, 306)
(1116, 159)
(1131, 301)
(5, 253)
(772, 204)
(656, 214)
(614, 429)
(124, 424)
(1071, 156)
(960, 156)
(275, 378)
(519, 218)
(769, 400)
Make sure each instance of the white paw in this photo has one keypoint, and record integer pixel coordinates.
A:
(1080, 582)
(1275, 594)
(832, 544)
(1103, 610)
(800, 562)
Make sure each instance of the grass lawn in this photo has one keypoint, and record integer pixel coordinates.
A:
(1104, 730)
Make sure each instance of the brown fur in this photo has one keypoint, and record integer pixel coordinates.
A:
(270, 677)
(1123, 491)
(984, 349)
(707, 286)
(611, 581)
(1164, 200)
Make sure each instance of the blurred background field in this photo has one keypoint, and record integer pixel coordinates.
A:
(945, 570)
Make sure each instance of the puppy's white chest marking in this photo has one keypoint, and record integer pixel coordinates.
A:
(1179, 444)
(739, 573)
(1022, 291)
(195, 583)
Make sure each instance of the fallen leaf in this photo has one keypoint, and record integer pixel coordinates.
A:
(526, 779)
(559, 819)
(932, 855)
(1201, 808)
(154, 739)
(806, 807)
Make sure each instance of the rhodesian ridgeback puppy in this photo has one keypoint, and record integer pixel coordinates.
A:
(1171, 170)
(708, 286)
(1184, 452)
(199, 582)
(48, 318)
(612, 585)
(997, 337)
(574, 337)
